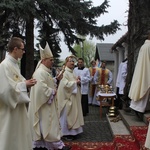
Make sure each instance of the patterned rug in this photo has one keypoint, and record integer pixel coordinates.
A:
(125, 142)
(91, 145)
(97, 135)
(135, 141)
(139, 133)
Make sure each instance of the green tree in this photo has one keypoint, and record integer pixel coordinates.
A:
(86, 50)
(4, 34)
(19, 17)
(72, 17)
(69, 17)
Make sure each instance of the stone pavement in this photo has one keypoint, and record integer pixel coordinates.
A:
(128, 120)
(103, 130)
(95, 129)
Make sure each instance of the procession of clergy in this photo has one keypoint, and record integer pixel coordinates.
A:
(57, 105)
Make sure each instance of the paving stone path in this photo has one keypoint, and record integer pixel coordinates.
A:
(95, 129)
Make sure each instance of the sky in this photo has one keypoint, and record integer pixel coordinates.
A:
(118, 10)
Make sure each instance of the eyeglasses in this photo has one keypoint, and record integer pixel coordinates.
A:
(22, 49)
(71, 61)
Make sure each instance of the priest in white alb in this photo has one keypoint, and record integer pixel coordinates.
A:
(140, 85)
(69, 102)
(14, 122)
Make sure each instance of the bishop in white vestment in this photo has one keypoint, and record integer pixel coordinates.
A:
(44, 121)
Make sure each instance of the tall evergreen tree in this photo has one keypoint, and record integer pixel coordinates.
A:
(72, 17)
(4, 33)
(69, 17)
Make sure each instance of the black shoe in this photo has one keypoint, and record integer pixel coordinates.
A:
(130, 113)
(40, 148)
(139, 115)
(68, 138)
(127, 109)
(66, 148)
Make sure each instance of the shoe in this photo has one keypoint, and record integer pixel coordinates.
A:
(139, 115)
(127, 109)
(130, 113)
(39, 148)
(66, 148)
(68, 138)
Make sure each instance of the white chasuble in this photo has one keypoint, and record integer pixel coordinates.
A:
(70, 101)
(14, 122)
(141, 78)
(44, 120)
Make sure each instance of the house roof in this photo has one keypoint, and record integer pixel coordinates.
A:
(103, 52)
(124, 38)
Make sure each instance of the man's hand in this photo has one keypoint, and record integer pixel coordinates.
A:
(30, 83)
(59, 77)
(78, 80)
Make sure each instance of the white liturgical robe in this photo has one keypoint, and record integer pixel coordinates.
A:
(147, 142)
(44, 121)
(14, 122)
(69, 101)
(141, 78)
(140, 85)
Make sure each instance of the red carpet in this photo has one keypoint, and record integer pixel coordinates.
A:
(139, 133)
(135, 141)
(125, 142)
(91, 145)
